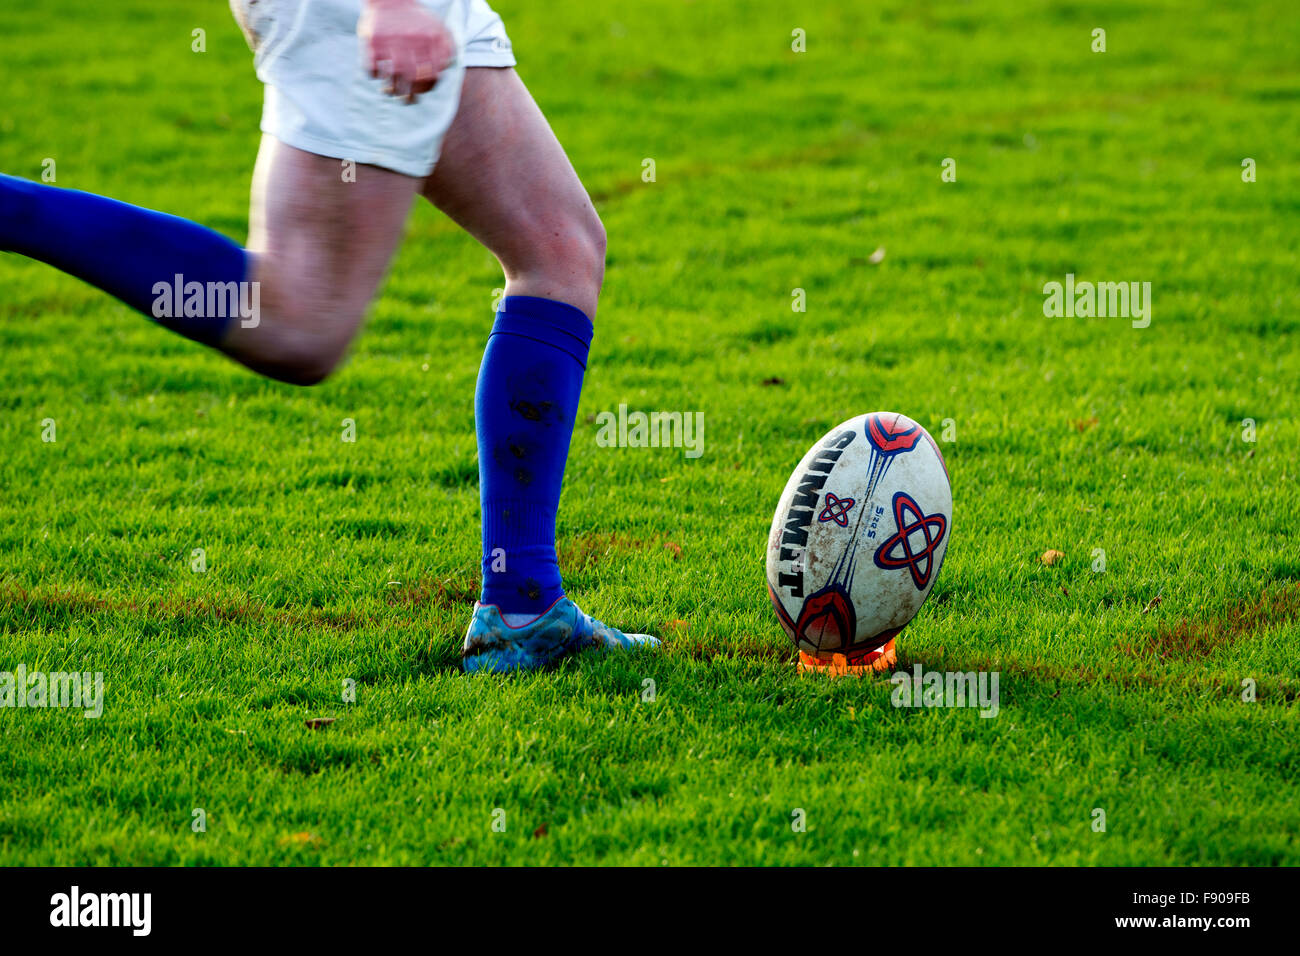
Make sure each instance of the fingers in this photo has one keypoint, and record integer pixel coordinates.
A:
(399, 73)
(425, 77)
(409, 66)
(427, 63)
(399, 85)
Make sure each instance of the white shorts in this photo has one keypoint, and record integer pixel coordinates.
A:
(320, 98)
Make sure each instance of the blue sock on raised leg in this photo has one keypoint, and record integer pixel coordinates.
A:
(135, 254)
(525, 405)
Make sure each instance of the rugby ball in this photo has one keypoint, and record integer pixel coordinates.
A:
(858, 538)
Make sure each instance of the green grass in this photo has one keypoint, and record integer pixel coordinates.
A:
(329, 561)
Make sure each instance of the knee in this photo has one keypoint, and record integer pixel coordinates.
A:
(309, 360)
(309, 309)
(306, 373)
(596, 245)
(297, 357)
(566, 250)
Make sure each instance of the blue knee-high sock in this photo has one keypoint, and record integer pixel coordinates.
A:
(524, 409)
(124, 250)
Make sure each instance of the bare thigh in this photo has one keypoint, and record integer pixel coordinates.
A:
(505, 179)
(322, 242)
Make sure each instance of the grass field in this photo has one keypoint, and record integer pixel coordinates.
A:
(329, 561)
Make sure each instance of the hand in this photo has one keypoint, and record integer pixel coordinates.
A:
(405, 45)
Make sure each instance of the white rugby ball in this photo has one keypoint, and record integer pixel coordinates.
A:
(859, 536)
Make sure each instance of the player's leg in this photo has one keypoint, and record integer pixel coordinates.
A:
(318, 250)
(125, 250)
(321, 245)
(504, 177)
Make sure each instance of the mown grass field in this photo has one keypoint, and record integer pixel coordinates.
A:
(329, 561)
